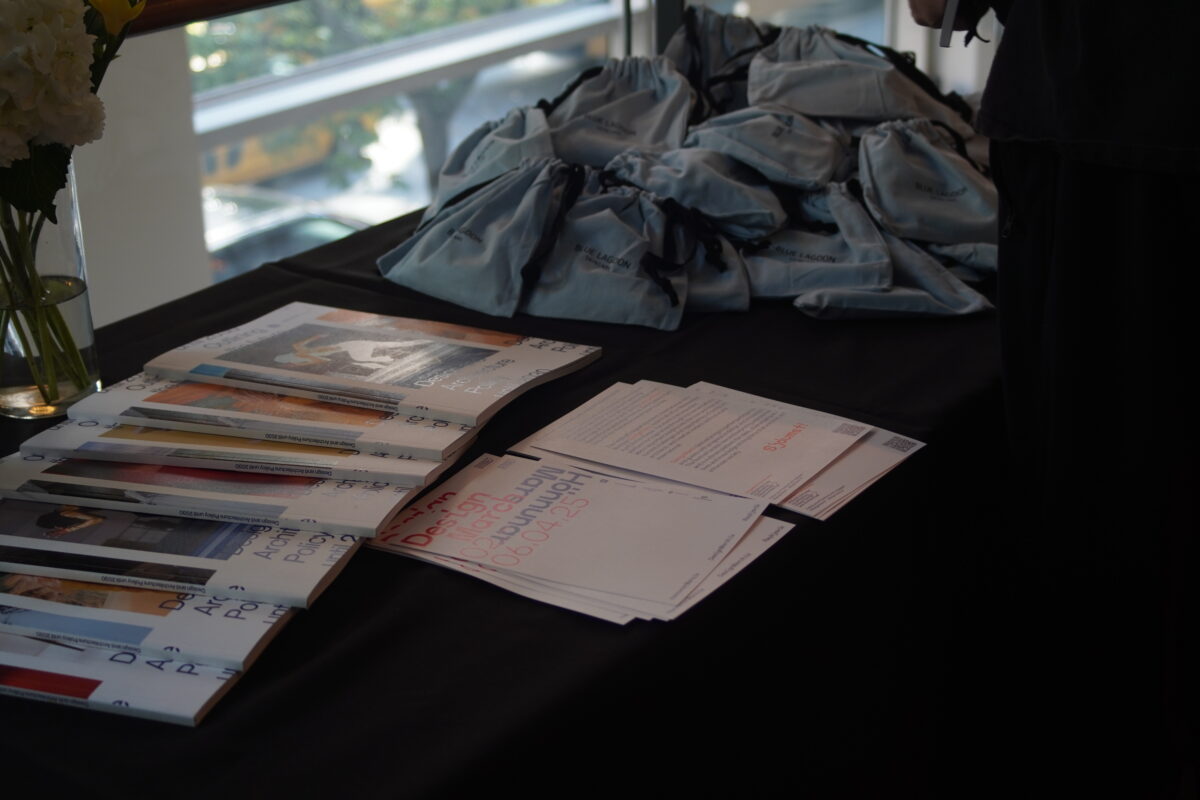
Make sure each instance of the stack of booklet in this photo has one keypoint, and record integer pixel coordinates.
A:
(645, 499)
(152, 616)
(309, 417)
(242, 468)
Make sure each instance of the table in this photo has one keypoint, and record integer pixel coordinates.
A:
(841, 663)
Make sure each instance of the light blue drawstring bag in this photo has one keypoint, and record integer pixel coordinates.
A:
(627, 103)
(720, 282)
(713, 51)
(606, 263)
(625, 255)
(920, 287)
(561, 240)
(837, 246)
(786, 147)
(733, 198)
(820, 73)
(474, 250)
(919, 183)
(495, 147)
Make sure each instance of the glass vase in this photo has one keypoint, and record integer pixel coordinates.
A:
(49, 358)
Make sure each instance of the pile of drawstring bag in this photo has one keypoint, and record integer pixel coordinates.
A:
(747, 161)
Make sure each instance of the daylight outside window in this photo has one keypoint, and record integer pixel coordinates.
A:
(339, 168)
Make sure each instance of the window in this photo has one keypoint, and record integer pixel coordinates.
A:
(347, 108)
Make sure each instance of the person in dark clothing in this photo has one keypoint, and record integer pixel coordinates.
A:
(1092, 148)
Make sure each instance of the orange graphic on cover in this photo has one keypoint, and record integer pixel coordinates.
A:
(135, 433)
(228, 398)
(444, 330)
(90, 595)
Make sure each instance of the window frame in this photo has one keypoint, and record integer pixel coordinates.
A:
(161, 14)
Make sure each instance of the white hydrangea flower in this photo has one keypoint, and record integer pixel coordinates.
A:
(45, 77)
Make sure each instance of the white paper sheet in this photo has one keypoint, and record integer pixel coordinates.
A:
(847, 476)
(557, 524)
(702, 438)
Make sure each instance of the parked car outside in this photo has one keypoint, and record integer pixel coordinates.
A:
(245, 226)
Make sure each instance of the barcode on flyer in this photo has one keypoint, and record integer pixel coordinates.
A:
(900, 443)
(849, 429)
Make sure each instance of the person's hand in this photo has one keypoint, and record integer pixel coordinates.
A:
(927, 12)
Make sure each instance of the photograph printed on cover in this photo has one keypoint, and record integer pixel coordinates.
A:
(99, 449)
(90, 595)
(146, 532)
(48, 622)
(42, 680)
(198, 446)
(375, 355)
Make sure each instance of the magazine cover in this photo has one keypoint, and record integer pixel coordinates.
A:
(433, 369)
(217, 631)
(193, 556)
(358, 508)
(163, 689)
(245, 413)
(130, 443)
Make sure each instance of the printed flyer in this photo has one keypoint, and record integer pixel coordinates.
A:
(701, 439)
(558, 524)
(847, 476)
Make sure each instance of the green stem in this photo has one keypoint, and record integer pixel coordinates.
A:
(73, 359)
(50, 392)
(45, 338)
(30, 359)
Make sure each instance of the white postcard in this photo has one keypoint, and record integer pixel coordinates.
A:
(846, 477)
(702, 439)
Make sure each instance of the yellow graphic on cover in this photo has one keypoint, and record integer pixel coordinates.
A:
(135, 433)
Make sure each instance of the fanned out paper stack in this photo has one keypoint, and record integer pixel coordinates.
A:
(645, 499)
(594, 543)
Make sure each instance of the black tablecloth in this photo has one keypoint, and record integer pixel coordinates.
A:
(842, 662)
